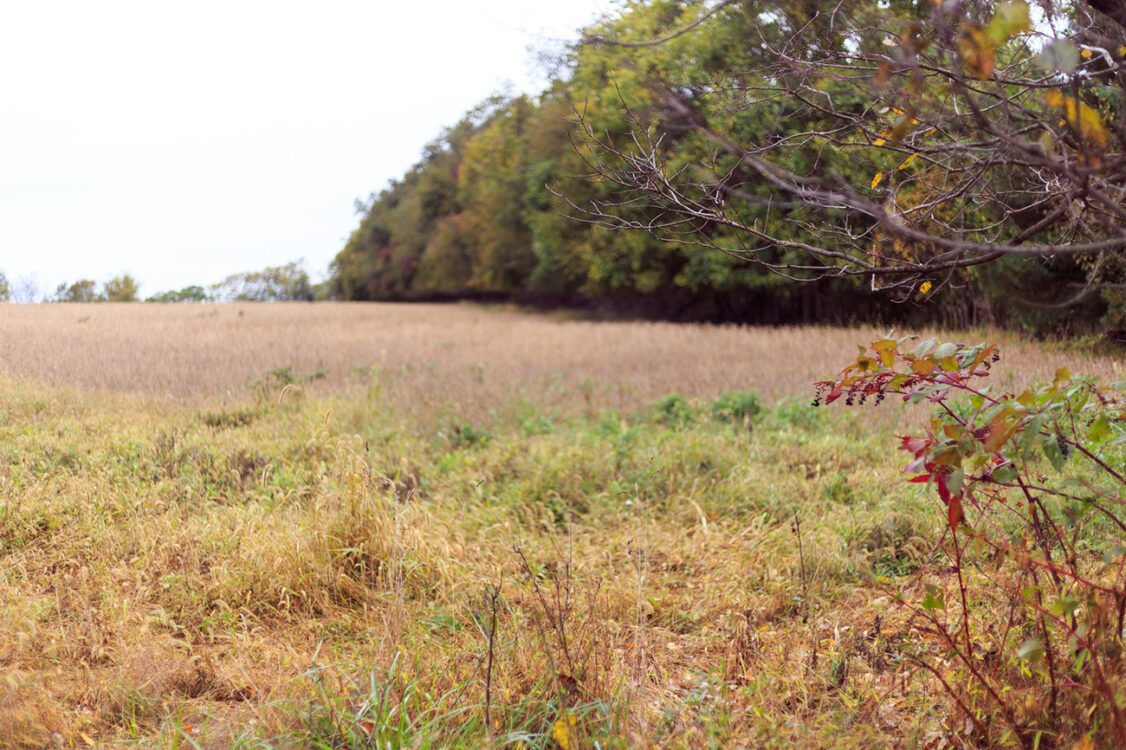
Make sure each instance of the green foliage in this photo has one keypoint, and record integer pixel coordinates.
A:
(84, 290)
(120, 289)
(672, 410)
(465, 435)
(838, 490)
(187, 294)
(797, 412)
(281, 379)
(740, 407)
(274, 284)
(732, 407)
(5, 289)
(479, 213)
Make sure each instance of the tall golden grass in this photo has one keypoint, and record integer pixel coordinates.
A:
(200, 352)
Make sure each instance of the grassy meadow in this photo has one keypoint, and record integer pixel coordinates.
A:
(287, 525)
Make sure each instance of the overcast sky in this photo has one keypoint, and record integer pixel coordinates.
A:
(182, 142)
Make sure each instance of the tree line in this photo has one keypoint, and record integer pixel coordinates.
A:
(286, 283)
(950, 163)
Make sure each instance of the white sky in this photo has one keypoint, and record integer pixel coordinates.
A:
(182, 142)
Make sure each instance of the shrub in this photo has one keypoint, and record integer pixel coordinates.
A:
(673, 410)
(1027, 633)
(738, 407)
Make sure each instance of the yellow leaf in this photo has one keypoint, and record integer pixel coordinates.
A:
(925, 287)
(876, 180)
(563, 730)
(922, 367)
(907, 162)
(1122, 50)
(1086, 53)
(977, 52)
(1084, 120)
(880, 141)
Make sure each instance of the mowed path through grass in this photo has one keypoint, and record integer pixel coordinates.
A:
(202, 543)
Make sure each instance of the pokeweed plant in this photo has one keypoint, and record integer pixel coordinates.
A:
(1022, 619)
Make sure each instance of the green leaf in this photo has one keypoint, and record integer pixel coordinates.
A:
(1065, 606)
(1052, 452)
(1100, 428)
(1031, 436)
(954, 481)
(945, 350)
(934, 598)
(1032, 649)
(1080, 660)
(1004, 474)
(923, 347)
(1061, 56)
(1011, 18)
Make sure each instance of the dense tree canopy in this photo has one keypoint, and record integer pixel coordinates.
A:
(909, 141)
(969, 154)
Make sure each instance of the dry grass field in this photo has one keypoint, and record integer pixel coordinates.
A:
(198, 352)
(478, 528)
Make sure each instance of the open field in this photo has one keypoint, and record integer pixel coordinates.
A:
(199, 352)
(479, 527)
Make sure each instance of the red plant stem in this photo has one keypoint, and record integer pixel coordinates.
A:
(1098, 461)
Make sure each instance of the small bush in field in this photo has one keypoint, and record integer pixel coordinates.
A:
(466, 434)
(739, 407)
(673, 409)
(1031, 482)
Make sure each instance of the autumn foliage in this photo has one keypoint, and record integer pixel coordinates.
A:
(1032, 619)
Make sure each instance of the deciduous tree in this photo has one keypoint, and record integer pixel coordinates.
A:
(901, 142)
(120, 289)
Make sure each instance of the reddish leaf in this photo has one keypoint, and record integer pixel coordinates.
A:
(943, 490)
(999, 434)
(913, 444)
(954, 512)
(920, 479)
